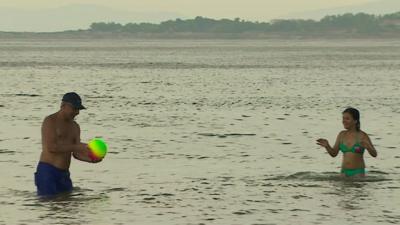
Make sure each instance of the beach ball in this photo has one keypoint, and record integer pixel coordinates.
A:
(97, 149)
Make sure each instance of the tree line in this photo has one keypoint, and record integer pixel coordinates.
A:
(361, 23)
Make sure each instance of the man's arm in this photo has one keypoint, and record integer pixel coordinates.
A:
(49, 139)
(82, 155)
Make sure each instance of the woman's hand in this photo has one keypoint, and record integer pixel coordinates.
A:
(323, 142)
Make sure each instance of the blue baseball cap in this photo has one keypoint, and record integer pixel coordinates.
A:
(74, 99)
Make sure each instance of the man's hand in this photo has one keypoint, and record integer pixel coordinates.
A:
(83, 147)
(97, 160)
(83, 154)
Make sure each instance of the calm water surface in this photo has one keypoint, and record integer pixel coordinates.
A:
(203, 132)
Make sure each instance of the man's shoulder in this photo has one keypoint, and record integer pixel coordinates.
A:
(76, 125)
(50, 119)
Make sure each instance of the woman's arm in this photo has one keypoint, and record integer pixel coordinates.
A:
(333, 151)
(367, 144)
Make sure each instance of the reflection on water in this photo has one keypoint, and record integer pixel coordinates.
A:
(72, 209)
(79, 207)
(352, 194)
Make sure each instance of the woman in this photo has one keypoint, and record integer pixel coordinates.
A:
(352, 142)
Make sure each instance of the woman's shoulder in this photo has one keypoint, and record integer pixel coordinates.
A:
(341, 133)
(363, 134)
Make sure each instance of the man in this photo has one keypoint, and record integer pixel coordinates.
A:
(60, 140)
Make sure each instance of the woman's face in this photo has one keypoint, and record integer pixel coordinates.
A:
(348, 121)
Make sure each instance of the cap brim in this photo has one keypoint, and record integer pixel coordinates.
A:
(81, 107)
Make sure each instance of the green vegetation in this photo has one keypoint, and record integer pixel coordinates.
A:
(360, 23)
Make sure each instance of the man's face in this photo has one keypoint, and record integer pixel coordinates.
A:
(69, 110)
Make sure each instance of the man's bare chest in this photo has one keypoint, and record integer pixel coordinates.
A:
(65, 133)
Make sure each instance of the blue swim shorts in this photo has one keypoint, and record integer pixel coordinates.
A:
(51, 180)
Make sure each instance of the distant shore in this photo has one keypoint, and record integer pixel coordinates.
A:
(87, 34)
(346, 26)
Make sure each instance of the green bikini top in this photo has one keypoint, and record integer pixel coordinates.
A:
(356, 148)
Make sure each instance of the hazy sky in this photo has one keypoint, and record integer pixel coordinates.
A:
(248, 9)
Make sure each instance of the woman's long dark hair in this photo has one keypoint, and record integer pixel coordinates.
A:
(356, 116)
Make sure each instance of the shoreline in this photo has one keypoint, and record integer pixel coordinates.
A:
(192, 36)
